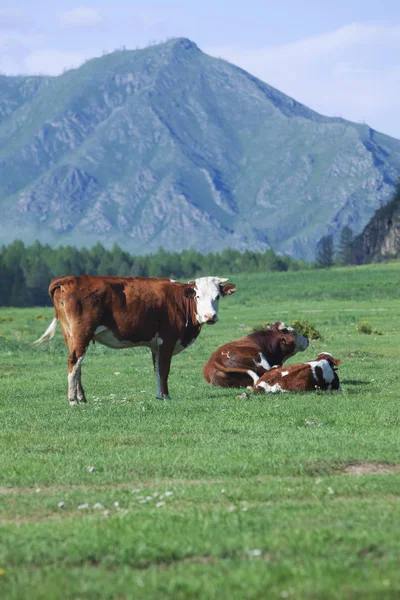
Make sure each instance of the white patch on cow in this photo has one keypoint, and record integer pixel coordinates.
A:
(327, 371)
(207, 298)
(263, 362)
(179, 346)
(73, 379)
(227, 354)
(270, 389)
(105, 336)
(254, 376)
(284, 373)
(289, 329)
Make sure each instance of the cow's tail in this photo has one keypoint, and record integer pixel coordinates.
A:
(49, 333)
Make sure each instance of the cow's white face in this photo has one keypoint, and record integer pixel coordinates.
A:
(207, 294)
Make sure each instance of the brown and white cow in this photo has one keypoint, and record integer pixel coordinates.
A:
(124, 312)
(238, 363)
(319, 374)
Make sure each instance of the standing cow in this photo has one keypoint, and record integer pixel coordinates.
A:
(237, 363)
(124, 312)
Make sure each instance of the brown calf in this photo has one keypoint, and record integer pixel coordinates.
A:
(124, 312)
(319, 374)
(240, 363)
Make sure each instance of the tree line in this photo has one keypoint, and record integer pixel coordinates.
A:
(26, 271)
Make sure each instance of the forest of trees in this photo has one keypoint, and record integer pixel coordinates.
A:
(26, 271)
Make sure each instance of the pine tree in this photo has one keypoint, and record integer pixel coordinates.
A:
(324, 255)
(345, 253)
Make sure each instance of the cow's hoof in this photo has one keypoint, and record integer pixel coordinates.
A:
(164, 397)
(73, 402)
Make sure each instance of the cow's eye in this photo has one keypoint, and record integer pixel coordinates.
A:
(218, 297)
(197, 297)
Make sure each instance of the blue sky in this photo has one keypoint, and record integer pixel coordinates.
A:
(340, 58)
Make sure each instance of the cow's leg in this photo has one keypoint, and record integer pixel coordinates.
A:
(75, 390)
(156, 365)
(165, 356)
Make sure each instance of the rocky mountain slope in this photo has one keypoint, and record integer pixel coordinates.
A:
(167, 146)
(380, 239)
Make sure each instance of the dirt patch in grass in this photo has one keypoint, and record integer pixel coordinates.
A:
(370, 468)
(319, 469)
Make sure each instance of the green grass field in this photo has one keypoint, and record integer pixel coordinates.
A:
(209, 495)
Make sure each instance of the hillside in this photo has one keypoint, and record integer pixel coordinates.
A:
(380, 239)
(167, 146)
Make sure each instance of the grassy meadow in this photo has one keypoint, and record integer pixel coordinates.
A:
(210, 495)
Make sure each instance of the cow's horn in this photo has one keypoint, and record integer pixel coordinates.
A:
(224, 279)
(191, 282)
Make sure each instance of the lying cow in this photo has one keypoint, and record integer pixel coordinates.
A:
(319, 374)
(124, 312)
(239, 363)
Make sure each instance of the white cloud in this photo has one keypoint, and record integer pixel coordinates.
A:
(51, 62)
(82, 16)
(353, 72)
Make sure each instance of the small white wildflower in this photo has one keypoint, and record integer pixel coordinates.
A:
(142, 501)
(97, 505)
(284, 594)
(38, 490)
(318, 481)
(161, 497)
(112, 395)
(168, 493)
(90, 469)
(231, 508)
(139, 582)
(155, 494)
(117, 373)
(330, 490)
(149, 497)
(116, 503)
(223, 491)
(106, 513)
(244, 508)
(62, 505)
(254, 552)
(82, 506)
(135, 491)
(159, 504)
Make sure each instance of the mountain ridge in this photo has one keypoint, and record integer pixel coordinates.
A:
(167, 146)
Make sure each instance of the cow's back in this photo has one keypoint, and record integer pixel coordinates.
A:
(133, 308)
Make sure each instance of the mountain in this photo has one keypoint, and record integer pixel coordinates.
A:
(167, 146)
(380, 238)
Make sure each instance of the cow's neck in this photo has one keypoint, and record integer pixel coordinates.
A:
(192, 326)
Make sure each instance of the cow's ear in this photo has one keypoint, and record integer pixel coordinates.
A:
(336, 361)
(189, 292)
(228, 289)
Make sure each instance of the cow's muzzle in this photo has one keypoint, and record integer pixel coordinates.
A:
(302, 343)
(210, 319)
